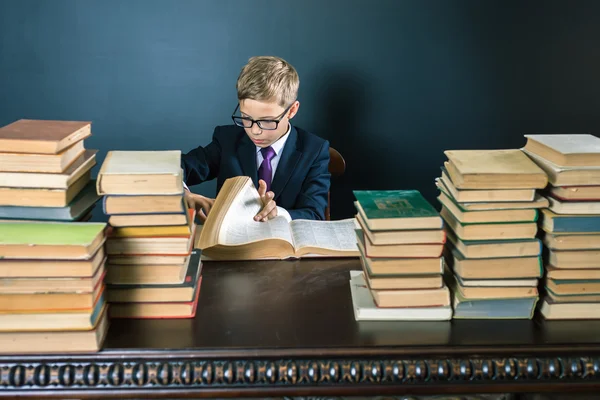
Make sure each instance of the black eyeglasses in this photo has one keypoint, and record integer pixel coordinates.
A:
(266, 124)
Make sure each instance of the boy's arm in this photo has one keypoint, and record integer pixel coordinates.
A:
(312, 201)
(202, 163)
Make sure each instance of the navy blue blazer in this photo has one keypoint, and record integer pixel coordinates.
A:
(301, 181)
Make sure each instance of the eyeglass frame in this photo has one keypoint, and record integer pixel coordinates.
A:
(277, 119)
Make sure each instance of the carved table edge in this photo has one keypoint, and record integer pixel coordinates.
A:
(175, 374)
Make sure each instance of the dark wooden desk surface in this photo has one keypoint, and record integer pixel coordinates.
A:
(283, 327)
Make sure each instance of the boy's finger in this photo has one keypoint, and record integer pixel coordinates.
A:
(268, 208)
(273, 212)
(265, 211)
(262, 188)
(207, 206)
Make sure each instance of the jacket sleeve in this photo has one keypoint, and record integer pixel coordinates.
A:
(202, 163)
(312, 201)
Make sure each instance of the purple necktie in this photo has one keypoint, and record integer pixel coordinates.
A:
(265, 172)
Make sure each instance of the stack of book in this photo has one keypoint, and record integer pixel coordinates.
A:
(571, 224)
(490, 206)
(153, 270)
(45, 171)
(51, 264)
(51, 287)
(400, 241)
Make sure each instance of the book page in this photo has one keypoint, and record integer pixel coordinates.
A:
(331, 235)
(239, 227)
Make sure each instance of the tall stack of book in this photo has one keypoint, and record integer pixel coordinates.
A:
(153, 270)
(571, 224)
(51, 287)
(400, 241)
(490, 206)
(45, 171)
(51, 264)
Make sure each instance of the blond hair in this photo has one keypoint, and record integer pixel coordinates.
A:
(268, 78)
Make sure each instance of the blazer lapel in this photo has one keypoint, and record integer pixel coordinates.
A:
(287, 163)
(246, 153)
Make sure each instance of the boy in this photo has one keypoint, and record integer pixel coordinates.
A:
(288, 165)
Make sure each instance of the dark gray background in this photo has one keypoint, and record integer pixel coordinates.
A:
(391, 83)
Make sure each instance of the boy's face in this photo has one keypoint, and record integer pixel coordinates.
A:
(266, 110)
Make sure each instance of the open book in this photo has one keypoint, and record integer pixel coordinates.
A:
(230, 232)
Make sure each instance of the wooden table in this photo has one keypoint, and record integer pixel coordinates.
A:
(287, 328)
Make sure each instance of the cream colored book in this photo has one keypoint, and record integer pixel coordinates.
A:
(567, 150)
(491, 231)
(594, 299)
(495, 248)
(572, 274)
(573, 207)
(141, 173)
(365, 308)
(494, 169)
(230, 232)
(484, 196)
(57, 342)
(145, 274)
(530, 282)
(158, 245)
(583, 193)
(154, 204)
(489, 292)
(400, 266)
(576, 259)
(553, 310)
(52, 285)
(566, 176)
(537, 201)
(500, 292)
(495, 268)
(10, 268)
(487, 216)
(571, 241)
(64, 180)
(401, 282)
(36, 197)
(148, 259)
(439, 297)
(572, 287)
(50, 163)
(416, 236)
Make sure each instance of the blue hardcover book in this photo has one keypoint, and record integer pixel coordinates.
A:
(569, 223)
(77, 208)
(519, 308)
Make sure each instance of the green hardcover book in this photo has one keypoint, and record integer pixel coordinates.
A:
(397, 210)
(50, 240)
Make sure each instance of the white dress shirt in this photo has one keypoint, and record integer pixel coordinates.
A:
(278, 147)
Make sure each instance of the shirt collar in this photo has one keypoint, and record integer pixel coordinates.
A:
(278, 145)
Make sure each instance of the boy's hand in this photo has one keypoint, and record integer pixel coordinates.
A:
(201, 204)
(269, 210)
